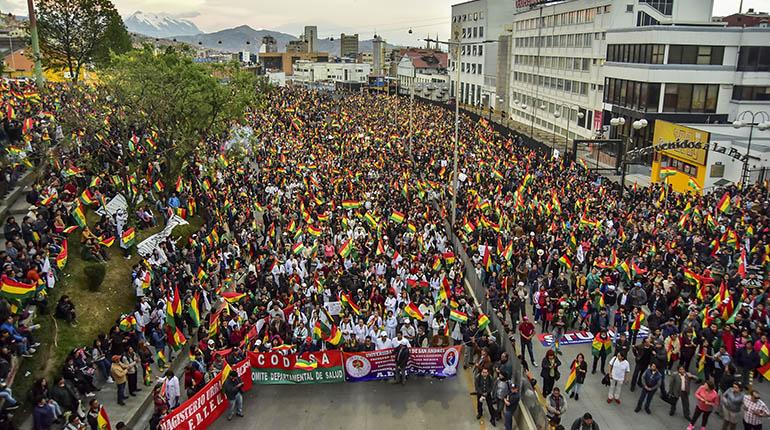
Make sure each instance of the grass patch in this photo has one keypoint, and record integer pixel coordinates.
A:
(96, 311)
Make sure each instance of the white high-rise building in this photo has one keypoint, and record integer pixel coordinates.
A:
(474, 22)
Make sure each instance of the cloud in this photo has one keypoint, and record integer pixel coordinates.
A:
(14, 6)
(186, 15)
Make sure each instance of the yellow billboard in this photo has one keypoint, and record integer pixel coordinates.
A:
(667, 132)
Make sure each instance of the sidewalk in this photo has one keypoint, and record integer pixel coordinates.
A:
(135, 407)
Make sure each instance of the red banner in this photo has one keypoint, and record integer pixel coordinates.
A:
(274, 368)
(202, 409)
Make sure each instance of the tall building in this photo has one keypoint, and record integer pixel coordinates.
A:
(378, 55)
(349, 45)
(473, 23)
(270, 44)
(311, 37)
(559, 49)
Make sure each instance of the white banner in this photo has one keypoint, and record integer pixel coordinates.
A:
(146, 247)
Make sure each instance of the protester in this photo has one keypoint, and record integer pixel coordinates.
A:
(586, 422)
(679, 390)
(484, 388)
(581, 368)
(651, 380)
(233, 390)
(555, 406)
(707, 399)
(754, 411)
(617, 370)
(732, 403)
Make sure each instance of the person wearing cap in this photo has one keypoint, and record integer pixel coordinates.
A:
(511, 403)
(382, 341)
(586, 422)
(119, 373)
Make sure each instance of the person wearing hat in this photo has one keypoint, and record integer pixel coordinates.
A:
(119, 373)
(382, 341)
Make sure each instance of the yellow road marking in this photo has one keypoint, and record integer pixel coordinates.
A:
(469, 380)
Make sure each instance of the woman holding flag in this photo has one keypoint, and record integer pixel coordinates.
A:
(577, 376)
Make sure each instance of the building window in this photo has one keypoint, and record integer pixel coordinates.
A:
(741, 92)
(481, 49)
(693, 54)
(663, 6)
(754, 59)
(475, 31)
(686, 168)
(644, 20)
(690, 98)
(481, 31)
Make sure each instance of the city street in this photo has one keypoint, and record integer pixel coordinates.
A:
(423, 403)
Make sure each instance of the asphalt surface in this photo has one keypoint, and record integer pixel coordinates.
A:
(421, 403)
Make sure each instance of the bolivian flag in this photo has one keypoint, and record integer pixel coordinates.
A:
(565, 262)
(11, 289)
(483, 321)
(458, 316)
(351, 204)
(345, 298)
(107, 242)
(128, 237)
(413, 311)
(599, 343)
(692, 184)
(346, 248)
(665, 172)
(297, 248)
(102, 420)
(637, 323)
(193, 311)
(225, 373)
(87, 197)
(571, 378)
(335, 337)
(233, 297)
(305, 364)
(724, 203)
(397, 217)
(765, 371)
(61, 257)
(79, 216)
(313, 230)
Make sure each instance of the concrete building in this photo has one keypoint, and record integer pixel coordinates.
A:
(366, 57)
(311, 37)
(379, 63)
(748, 19)
(284, 61)
(474, 22)
(687, 75)
(342, 75)
(349, 45)
(269, 44)
(425, 72)
(299, 46)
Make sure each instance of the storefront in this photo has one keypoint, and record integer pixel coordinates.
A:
(688, 165)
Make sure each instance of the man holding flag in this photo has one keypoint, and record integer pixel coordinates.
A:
(232, 387)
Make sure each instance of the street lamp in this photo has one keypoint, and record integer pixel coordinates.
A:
(636, 125)
(457, 44)
(762, 126)
(580, 115)
(557, 115)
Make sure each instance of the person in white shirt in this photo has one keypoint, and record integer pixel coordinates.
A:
(400, 340)
(391, 323)
(618, 370)
(346, 327)
(382, 341)
(361, 331)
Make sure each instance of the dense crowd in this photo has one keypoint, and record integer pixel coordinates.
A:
(324, 229)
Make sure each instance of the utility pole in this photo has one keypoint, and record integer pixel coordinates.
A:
(35, 44)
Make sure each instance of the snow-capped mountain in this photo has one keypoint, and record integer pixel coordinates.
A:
(159, 25)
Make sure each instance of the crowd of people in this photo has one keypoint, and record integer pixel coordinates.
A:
(336, 199)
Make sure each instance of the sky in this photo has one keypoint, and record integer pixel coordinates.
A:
(392, 18)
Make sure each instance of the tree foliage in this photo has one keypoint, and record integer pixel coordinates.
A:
(74, 32)
(184, 101)
(115, 41)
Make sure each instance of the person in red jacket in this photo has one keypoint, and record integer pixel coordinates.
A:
(193, 380)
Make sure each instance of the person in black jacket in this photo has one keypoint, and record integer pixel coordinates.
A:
(483, 386)
(65, 395)
(746, 360)
(550, 371)
(643, 353)
(402, 357)
(233, 389)
(581, 368)
(586, 422)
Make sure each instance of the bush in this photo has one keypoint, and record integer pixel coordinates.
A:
(95, 275)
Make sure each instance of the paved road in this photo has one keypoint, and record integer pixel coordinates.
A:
(593, 398)
(423, 403)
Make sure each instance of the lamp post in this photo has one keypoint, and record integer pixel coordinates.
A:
(557, 115)
(636, 125)
(411, 131)
(457, 44)
(762, 126)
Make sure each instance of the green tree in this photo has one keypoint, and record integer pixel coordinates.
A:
(73, 32)
(115, 41)
(183, 101)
